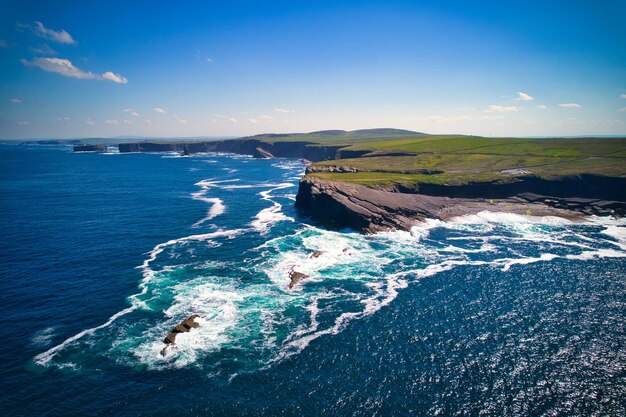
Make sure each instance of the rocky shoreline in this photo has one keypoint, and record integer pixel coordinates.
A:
(339, 205)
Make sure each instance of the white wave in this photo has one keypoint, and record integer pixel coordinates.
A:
(508, 219)
(218, 311)
(268, 217)
(216, 209)
(44, 358)
(508, 263)
(597, 254)
(617, 232)
(217, 205)
(43, 337)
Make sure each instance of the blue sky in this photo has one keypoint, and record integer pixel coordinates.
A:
(87, 69)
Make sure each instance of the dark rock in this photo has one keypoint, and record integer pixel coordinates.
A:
(316, 254)
(338, 205)
(330, 168)
(261, 153)
(90, 148)
(247, 146)
(183, 327)
(296, 277)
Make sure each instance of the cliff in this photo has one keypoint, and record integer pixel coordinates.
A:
(338, 205)
(254, 147)
(90, 148)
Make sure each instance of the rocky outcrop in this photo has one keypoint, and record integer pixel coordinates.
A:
(184, 326)
(296, 277)
(338, 205)
(330, 168)
(90, 148)
(261, 153)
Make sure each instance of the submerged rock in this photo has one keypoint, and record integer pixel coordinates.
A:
(316, 254)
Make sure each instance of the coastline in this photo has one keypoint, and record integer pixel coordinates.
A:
(337, 204)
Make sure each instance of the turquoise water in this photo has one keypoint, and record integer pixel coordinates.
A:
(493, 314)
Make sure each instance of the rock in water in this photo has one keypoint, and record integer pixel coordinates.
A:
(261, 153)
(296, 277)
(184, 326)
(316, 254)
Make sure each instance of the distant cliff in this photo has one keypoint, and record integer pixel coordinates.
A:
(254, 147)
(90, 148)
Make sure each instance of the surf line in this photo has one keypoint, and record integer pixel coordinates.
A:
(267, 217)
(44, 358)
(217, 205)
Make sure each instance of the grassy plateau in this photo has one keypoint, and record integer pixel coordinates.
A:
(390, 156)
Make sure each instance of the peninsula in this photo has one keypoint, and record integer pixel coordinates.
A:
(380, 179)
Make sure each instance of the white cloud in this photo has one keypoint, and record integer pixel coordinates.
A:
(23, 122)
(232, 120)
(253, 121)
(210, 61)
(281, 110)
(66, 68)
(159, 110)
(42, 50)
(504, 109)
(88, 121)
(16, 101)
(622, 109)
(116, 78)
(111, 122)
(623, 95)
(179, 120)
(127, 122)
(40, 30)
(570, 105)
(265, 118)
(498, 117)
(132, 112)
(542, 106)
(523, 97)
(59, 66)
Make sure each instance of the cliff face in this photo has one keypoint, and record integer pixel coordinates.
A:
(254, 147)
(90, 148)
(338, 205)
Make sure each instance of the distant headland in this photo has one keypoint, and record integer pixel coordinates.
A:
(380, 179)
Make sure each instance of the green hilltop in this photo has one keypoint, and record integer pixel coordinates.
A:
(392, 156)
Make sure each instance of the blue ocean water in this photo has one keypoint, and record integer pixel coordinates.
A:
(492, 314)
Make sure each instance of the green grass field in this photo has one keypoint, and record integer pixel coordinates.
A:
(455, 159)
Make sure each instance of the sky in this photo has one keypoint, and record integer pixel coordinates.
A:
(74, 69)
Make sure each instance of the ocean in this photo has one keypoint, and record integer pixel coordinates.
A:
(102, 254)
